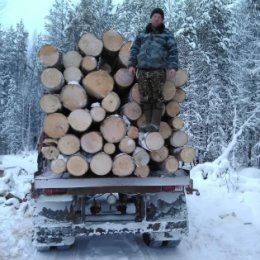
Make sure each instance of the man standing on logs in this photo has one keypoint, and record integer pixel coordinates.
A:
(153, 54)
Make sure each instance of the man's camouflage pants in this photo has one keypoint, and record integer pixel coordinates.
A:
(150, 84)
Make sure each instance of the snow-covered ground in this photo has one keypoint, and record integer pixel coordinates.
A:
(224, 222)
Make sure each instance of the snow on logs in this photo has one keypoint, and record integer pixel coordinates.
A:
(93, 113)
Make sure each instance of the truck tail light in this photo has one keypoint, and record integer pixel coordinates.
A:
(172, 188)
(53, 191)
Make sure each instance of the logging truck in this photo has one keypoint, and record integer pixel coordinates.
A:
(97, 173)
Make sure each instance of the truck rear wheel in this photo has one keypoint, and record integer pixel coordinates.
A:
(151, 242)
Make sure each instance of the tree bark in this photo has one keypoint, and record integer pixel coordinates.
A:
(101, 164)
(80, 120)
(141, 156)
(77, 165)
(98, 84)
(123, 165)
(113, 129)
(52, 79)
(89, 44)
(71, 59)
(73, 97)
(69, 144)
(50, 103)
(55, 125)
(91, 142)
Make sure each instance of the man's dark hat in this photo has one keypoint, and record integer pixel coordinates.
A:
(157, 11)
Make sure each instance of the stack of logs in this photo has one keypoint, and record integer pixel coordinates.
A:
(93, 113)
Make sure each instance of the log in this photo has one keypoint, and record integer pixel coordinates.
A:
(49, 55)
(58, 166)
(50, 142)
(111, 102)
(159, 155)
(123, 79)
(170, 165)
(50, 103)
(55, 125)
(180, 79)
(101, 164)
(91, 142)
(142, 171)
(106, 67)
(50, 152)
(165, 130)
(52, 79)
(176, 123)
(112, 42)
(141, 156)
(180, 95)
(179, 139)
(71, 59)
(80, 120)
(77, 165)
(134, 94)
(169, 90)
(72, 74)
(69, 144)
(89, 44)
(97, 113)
(124, 53)
(132, 132)
(73, 97)
(185, 154)
(89, 63)
(132, 111)
(172, 109)
(109, 148)
(98, 84)
(127, 145)
(113, 129)
(151, 141)
(123, 165)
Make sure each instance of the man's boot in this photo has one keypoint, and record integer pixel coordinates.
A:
(147, 110)
(156, 117)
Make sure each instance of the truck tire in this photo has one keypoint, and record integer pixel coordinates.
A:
(149, 241)
(171, 243)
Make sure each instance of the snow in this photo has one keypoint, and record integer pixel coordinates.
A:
(224, 221)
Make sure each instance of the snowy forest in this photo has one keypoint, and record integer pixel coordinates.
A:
(219, 46)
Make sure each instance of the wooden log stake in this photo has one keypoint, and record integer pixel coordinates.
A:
(151, 141)
(111, 102)
(127, 145)
(58, 166)
(185, 154)
(72, 74)
(98, 113)
(176, 123)
(89, 63)
(89, 44)
(170, 164)
(165, 130)
(142, 171)
(132, 132)
(172, 109)
(159, 155)
(134, 94)
(109, 148)
(179, 139)
(112, 42)
(180, 79)
(169, 90)
(123, 79)
(180, 95)
(52, 79)
(50, 152)
(71, 59)
(141, 156)
(132, 110)
(49, 55)
(124, 53)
